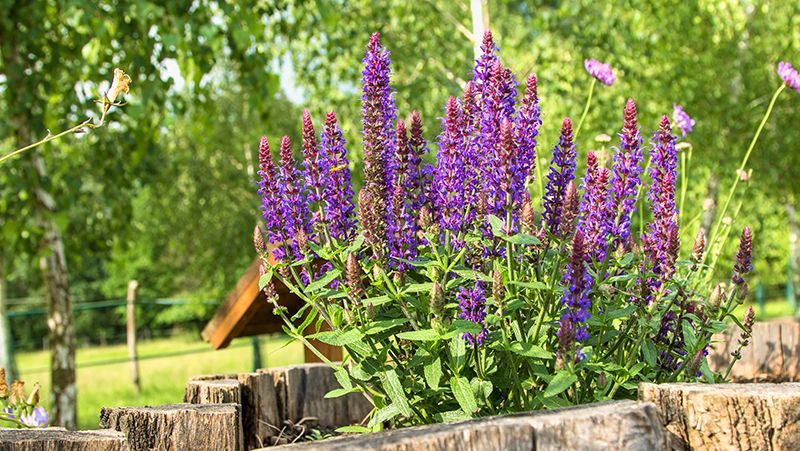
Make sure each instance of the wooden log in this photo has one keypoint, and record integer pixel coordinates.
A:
(619, 425)
(301, 391)
(258, 399)
(177, 426)
(220, 391)
(772, 356)
(728, 416)
(58, 439)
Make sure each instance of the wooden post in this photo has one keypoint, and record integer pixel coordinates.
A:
(132, 355)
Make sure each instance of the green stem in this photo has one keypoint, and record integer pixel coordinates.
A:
(727, 202)
(585, 110)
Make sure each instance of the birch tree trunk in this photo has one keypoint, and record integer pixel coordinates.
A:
(7, 360)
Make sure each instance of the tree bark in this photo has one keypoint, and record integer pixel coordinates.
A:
(22, 124)
(7, 359)
(794, 254)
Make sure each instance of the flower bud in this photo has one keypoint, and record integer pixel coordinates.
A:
(699, 246)
(425, 218)
(437, 300)
(302, 242)
(352, 274)
(715, 299)
(33, 398)
(696, 362)
(528, 220)
(3, 383)
(498, 289)
(270, 292)
(258, 240)
(17, 392)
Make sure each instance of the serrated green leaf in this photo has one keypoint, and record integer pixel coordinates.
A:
(620, 313)
(343, 378)
(635, 369)
(458, 353)
(394, 389)
(338, 337)
(523, 239)
(384, 414)
(689, 336)
(451, 416)
(433, 373)
(562, 380)
(463, 394)
(337, 392)
(649, 352)
(470, 274)
(264, 279)
(419, 288)
(378, 300)
(497, 226)
(530, 285)
(419, 335)
(384, 325)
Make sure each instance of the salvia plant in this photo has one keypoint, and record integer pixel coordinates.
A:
(18, 410)
(452, 297)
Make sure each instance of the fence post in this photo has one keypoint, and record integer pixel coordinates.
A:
(132, 355)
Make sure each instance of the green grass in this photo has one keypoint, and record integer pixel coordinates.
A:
(162, 377)
(772, 310)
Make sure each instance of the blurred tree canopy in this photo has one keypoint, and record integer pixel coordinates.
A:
(166, 192)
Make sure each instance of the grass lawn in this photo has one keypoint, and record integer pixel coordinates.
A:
(774, 309)
(163, 377)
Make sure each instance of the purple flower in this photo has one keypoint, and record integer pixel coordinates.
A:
(562, 171)
(337, 194)
(403, 227)
(602, 72)
(661, 238)
(526, 128)
(595, 213)
(682, 119)
(484, 63)
(450, 171)
(744, 257)
(576, 295)
(789, 75)
(313, 175)
(378, 114)
(36, 419)
(508, 176)
(473, 308)
(625, 179)
(293, 206)
(269, 191)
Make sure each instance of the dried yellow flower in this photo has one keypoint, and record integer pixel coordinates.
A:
(119, 85)
(3, 383)
(17, 392)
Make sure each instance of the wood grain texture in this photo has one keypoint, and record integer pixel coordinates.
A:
(177, 427)
(772, 356)
(620, 425)
(728, 416)
(57, 439)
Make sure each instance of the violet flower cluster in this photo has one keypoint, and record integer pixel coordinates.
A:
(789, 75)
(682, 119)
(601, 71)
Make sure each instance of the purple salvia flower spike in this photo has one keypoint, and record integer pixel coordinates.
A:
(596, 216)
(337, 194)
(484, 63)
(294, 209)
(744, 257)
(562, 171)
(450, 173)
(576, 296)
(526, 128)
(269, 190)
(403, 227)
(473, 308)
(625, 177)
(314, 177)
(378, 114)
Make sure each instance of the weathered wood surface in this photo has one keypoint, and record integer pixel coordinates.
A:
(257, 396)
(619, 425)
(728, 416)
(57, 439)
(772, 356)
(274, 397)
(177, 427)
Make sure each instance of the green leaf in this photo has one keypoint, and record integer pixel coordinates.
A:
(649, 352)
(378, 300)
(635, 369)
(530, 285)
(338, 337)
(562, 380)
(530, 350)
(620, 313)
(689, 336)
(463, 394)
(458, 353)
(394, 389)
(626, 259)
(420, 262)
(433, 373)
(264, 279)
(384, 325)
(451, 416)
(356, 244)
(523, 239)
(384, 414)
(353, 430)
(470, 274)
(461, 326)
(323, 281)
(343, 378)
(419, 335)
(497, 226)
(419, 288)
(337, 392)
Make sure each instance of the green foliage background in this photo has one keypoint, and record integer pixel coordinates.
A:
(166, 193)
